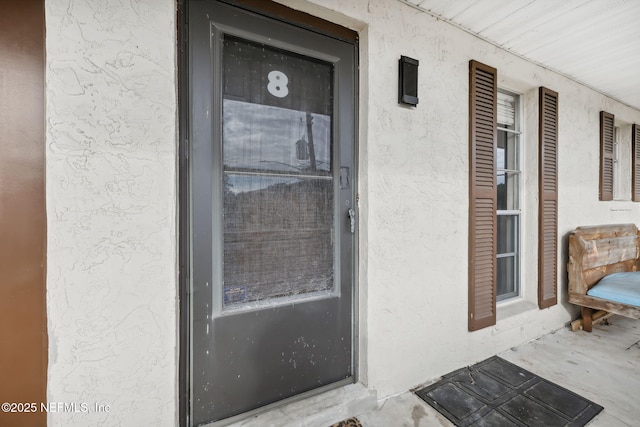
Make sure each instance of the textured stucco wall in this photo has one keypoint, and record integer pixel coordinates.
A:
(111, 201)
(414, 192)
(111, 206)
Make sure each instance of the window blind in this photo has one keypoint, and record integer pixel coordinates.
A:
(506, 110)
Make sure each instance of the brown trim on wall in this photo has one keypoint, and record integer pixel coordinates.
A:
(296, 17)
(23, 320)
(548, 196)
(483, 113)
(607, 130)
(635, 163)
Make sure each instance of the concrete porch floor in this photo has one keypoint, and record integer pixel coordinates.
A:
(602, 366)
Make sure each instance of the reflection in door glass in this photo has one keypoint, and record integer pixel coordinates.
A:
(261, 137)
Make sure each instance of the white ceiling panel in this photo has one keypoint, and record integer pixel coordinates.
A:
(595, 42)
(477, 17)
(580, 22)
(448, 7)
(533, 15)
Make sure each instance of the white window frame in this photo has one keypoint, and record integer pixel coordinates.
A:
(517, 253)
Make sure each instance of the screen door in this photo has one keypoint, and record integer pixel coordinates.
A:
(271, 135)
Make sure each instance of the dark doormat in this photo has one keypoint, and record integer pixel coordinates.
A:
(351, 422)
(498, 393)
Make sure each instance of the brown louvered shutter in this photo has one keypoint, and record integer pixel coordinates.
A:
(606, 155)
(482, 195)
(548, 204)
(635, 160)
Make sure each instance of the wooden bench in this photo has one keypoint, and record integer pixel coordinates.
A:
(595, 252)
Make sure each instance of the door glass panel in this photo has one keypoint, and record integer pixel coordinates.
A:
(278, 184)
(277, 237)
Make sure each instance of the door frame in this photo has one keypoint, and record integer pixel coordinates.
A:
(305, 21)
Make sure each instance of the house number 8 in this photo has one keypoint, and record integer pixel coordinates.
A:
(278, 84)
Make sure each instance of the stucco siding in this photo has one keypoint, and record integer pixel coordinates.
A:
(112, 202)
(414, 193)
(111, 206)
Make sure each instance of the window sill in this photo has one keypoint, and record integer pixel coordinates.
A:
(513, 314)
(515, 307)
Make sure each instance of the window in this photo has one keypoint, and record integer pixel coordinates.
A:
(508, 207)
(619, 159)
(495, 187)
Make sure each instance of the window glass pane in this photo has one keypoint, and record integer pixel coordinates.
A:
(507, 165)
(508, 190)
(507, 234)
(506, 277)
(508, 156)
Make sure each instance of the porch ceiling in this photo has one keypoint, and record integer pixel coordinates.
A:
(595, 42)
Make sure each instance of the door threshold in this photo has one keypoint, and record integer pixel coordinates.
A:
(321, 407)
